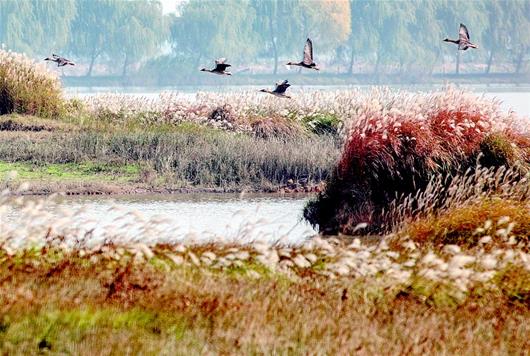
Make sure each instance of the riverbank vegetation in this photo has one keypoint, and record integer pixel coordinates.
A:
(27, 88)
(410, 155)
(453, 276)
(64, 289)
(194, 158)
(124, 144)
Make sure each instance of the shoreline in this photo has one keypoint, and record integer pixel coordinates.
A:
(106, 189)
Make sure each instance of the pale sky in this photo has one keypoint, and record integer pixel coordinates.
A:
(170, 5)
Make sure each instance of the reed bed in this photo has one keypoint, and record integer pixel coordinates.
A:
(453, 276)
(132, 235)
(187, 158)
(65, 288)
(28, 88)
(245, 112)
(312, 109)
(472, 188)
(396, 144)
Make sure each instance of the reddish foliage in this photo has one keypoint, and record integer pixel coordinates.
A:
(445, 137)
(389, 155)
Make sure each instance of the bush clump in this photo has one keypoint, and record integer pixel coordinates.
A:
(27, 87)
(396, 143)
(322, 124)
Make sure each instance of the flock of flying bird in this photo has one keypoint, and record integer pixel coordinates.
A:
(463, 43)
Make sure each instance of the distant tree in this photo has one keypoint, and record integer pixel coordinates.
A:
(93, 29)
(17, 25)
(519, 31)
(390, 21)
(450, 13)
(406, 35)
(140, 30)
(327, 22)
(212, 29)
(362, 39)
(424, 35)
(53, 20)
(496, 31)
(279, 27)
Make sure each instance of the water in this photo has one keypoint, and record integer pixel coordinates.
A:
(170, 218)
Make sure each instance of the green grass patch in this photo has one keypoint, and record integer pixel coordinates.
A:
(69, 171)
(58, 331)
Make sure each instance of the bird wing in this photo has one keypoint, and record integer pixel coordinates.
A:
(308, 52)
(281, 87)
(463, 33)
(221, 66)
(220, 61)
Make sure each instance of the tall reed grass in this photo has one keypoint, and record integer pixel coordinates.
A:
(135, 282)
(397, 143)
(28, 88)
(249, 112)
(200, 158)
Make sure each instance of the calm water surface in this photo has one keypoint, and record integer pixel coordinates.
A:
(201, 217)
(221, 216)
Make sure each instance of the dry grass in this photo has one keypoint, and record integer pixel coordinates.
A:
(28, 88)
(102, 303)
(245, 112)
(194, 158)
(489, 219)
(69, 289)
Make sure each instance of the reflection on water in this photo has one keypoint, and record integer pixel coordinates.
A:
(201, 217)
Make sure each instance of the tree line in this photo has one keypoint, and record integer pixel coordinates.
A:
(350, 36)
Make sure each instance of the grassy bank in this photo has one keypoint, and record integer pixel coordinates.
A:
(220, 142)
(54, 155)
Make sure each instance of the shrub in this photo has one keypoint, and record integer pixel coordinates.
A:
(322, 123)
(28, 88)
(396, 143)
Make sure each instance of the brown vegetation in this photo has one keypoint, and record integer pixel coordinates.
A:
(108, 302)
(468, 224)
(28, 88)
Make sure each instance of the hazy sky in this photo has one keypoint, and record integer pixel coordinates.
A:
(169, 5)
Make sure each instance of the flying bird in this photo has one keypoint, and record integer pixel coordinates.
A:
(307, 62)
(220, 67)
(463, 41)
(280, 89)
(61, 61)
